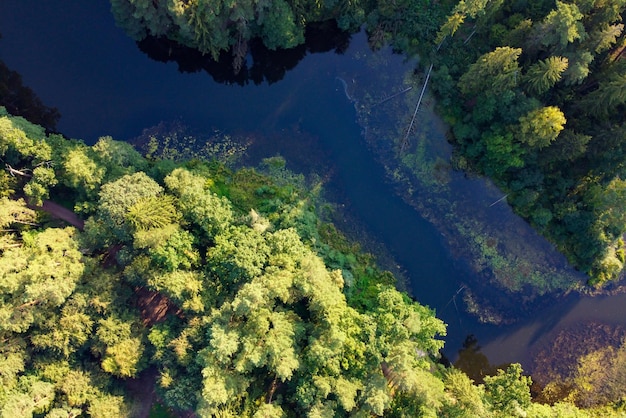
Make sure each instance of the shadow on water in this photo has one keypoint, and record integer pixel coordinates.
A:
(20, 100)
(521, 342)
(474, 362)
(261, 65)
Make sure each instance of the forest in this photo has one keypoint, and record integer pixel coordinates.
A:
(231, 293)
(534, 92)
(535, 95)
(228, 292)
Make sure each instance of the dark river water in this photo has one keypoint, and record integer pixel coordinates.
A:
(75, 58)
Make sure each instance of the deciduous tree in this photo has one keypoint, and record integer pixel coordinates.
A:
(37, 277)
(539, 127)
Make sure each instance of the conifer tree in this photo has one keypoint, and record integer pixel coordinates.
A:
(543, 75)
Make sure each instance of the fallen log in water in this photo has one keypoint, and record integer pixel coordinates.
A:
(419, 101)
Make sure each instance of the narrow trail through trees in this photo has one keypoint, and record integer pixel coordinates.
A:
(62, 213)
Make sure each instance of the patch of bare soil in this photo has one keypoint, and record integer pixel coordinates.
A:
(154, 307)
(142, 391)
(62, 213)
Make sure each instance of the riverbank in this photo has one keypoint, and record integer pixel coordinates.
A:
(515, 270)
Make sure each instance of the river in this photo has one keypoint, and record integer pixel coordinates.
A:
(72, 55)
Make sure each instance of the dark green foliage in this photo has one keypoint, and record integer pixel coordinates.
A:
(500, 153)
(259, 304)
(242, 312)
(543, 75)
(216, 26)
(535, 101)
(495, 73)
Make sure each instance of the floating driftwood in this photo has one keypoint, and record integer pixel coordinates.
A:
(419, 102)
(392, 96)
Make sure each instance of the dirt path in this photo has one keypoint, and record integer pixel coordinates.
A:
(142, 390)
(61, 213)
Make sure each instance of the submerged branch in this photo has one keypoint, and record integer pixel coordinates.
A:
(392, 96)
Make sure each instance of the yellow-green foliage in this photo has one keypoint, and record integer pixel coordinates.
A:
(245, 300)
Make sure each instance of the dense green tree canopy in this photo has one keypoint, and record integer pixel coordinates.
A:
(215, 26)
(538, 106)
(236, 309)
(232, 289)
